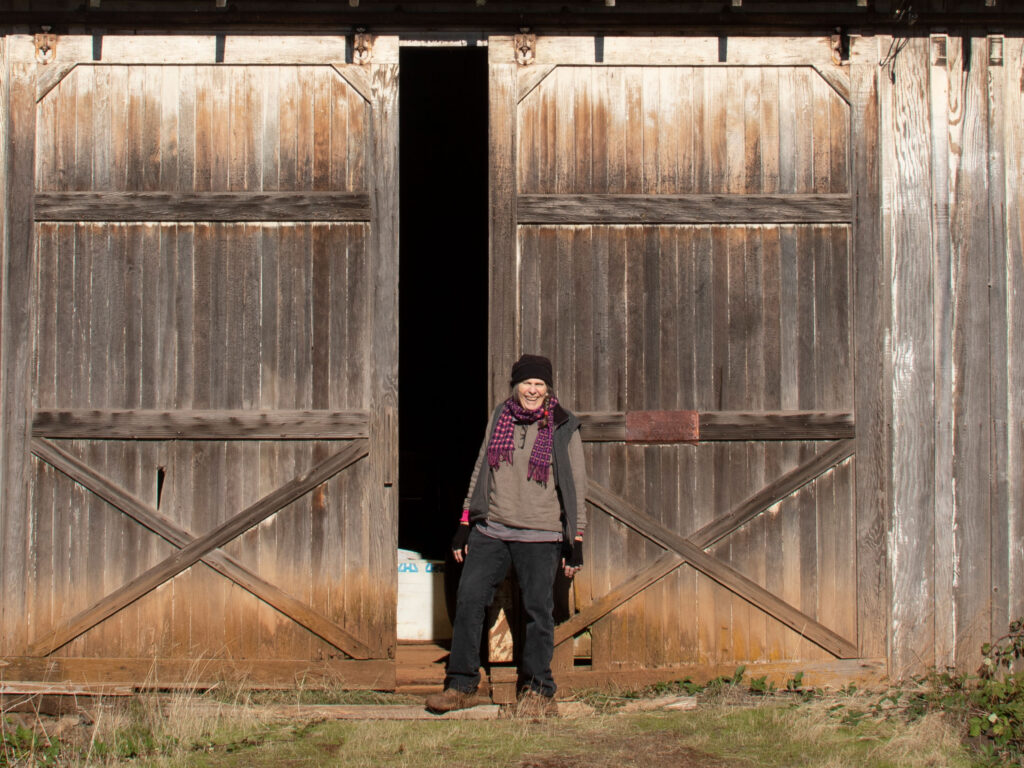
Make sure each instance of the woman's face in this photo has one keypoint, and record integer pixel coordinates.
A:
(531, 393)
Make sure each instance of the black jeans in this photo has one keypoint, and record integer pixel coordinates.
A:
(487, 562)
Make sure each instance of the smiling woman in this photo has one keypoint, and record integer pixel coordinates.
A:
(524, 509)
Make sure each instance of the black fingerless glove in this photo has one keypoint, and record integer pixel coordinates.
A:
(575, 560)
(461, 537)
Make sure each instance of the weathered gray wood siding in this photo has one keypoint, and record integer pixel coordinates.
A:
(951, 154)
(650, 296)
(205, 265)
(710, 307)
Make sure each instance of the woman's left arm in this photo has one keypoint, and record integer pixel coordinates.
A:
(579, 478)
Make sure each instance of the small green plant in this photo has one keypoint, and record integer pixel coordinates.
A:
(762, 685)
(989, 705)
(24, 746)
(795, 683)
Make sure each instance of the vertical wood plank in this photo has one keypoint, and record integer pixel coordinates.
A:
(972, 361)
(912, 527)
(687, 306)
(269, 451)
(1000, 545)
(1013, 121)
(946, 126)
(16, 327)
(617, 624)
(599, 531)
(503, 321)
(871, 317)
(704, 374)
(384, 389)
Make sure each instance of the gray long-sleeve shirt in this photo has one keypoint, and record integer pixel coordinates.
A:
(520, 503)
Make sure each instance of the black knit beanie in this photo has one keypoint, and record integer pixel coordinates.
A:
(532, 367)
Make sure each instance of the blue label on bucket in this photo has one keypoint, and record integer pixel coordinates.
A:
(414, 567)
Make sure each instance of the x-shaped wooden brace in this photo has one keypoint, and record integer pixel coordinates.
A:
(192, 549)
(682, 550)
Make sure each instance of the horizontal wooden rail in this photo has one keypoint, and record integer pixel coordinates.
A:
(776, 425)
(89, 424)
(202, 206)
(652, 427)
(685, 209)
(192, 673)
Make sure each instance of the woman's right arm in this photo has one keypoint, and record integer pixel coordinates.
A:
(476, 470)
(460, 543)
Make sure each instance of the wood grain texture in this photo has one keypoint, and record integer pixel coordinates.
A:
(175, 320)
(999, 289)
(503, 322)
(683, 209)
(720, 425)
(912, 532)
(945, 79)
(605, 103)
(87, 424)
(684, 308)
(16, 325)
(196, 549)
(382, 495)
(737, 425)
(149, 517)
(872, 324)
(1014, 263)
(168, 673)
(726, 576)
(666, 51)
(262, 114)
(707, 536)
(213, 206)
(973, 362)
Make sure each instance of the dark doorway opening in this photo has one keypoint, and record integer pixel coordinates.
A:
(442, 356)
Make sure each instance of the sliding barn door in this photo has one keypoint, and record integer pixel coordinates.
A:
(671, 223)
(200, 347)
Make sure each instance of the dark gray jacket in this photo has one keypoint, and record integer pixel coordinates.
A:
(565, 424)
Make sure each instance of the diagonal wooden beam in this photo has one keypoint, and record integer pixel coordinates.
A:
(725, 575)
(772, 494)
(190, 554)
(711, 533)
(601, 607)
(218, 560)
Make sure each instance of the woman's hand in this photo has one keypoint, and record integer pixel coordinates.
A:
(574, 562)
(460, 542)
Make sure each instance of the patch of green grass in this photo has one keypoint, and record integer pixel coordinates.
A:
(774, 734)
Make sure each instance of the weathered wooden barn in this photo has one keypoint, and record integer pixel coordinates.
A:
(775, 250)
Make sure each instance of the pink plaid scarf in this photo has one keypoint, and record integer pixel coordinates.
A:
(501, 446)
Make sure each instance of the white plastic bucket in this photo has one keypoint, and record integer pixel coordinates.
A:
(422, 614)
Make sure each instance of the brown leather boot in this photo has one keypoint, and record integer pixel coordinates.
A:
(451, 699)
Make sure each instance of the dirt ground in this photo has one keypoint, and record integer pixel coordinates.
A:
(652, 750)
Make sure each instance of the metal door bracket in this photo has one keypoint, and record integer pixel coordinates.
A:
(46, 46)
(362, 47)
(526, 48)
(840, 45)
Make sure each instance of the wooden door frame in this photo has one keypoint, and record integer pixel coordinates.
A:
(516, 66)
(370, 66)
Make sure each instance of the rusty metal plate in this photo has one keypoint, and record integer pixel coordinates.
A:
(662, 427)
